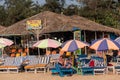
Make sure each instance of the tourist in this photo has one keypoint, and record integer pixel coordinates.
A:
(61, 60)
(68, 63)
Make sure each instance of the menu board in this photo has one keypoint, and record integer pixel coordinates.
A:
(33, 24)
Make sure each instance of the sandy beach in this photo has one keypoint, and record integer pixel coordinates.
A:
(48, 76)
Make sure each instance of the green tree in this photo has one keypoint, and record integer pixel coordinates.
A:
(17, 10)
(71, 10)
(2, 15)
(53, 5)
(104, 12)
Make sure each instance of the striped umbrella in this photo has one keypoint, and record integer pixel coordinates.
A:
(104, 44)
(118, 40)
(45, 43)
(2, 45)
(6, 42)
(73, 45)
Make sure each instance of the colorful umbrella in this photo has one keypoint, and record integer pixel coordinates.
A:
(104, 44)
(73, 45)
(45, 43)
(5, 41)
(2, 45)
(118, 40)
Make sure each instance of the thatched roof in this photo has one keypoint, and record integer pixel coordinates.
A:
(2, 27)
(85, 24)
(53, 22)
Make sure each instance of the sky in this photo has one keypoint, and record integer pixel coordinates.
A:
(41, 2)
(68, 2)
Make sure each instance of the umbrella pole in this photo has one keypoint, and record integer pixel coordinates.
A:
(15, 40)
(38, 52)
(28, 48)
(37, 34)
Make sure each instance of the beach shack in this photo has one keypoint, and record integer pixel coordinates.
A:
(61, 28)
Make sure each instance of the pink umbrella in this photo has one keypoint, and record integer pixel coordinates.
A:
(45, 43)
(6, 42)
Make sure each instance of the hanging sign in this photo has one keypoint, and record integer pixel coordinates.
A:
(33, 24)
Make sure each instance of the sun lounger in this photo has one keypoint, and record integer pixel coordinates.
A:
(99, 66)
(16, 65)
(43, 63)
(54, 58)
(85, 68)
(117, 67)
(7, 62)
(32, 62)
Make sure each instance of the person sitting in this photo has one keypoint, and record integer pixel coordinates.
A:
(68, 63)
(61, 60)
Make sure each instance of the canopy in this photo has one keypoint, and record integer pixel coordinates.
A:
(45, 43)
(73, 45)
(104, 44)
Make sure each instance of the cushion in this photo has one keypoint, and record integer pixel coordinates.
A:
(117, 67)
(92, 63)
(3, 67)
(40, 65)
(29, 66)
(110, 65)
(12, 67)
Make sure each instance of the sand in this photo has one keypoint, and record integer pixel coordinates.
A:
(48, 76)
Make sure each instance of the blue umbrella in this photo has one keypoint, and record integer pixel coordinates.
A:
(118, 40)
(73, 45)
(104, 44)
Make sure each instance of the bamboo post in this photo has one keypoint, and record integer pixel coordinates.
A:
(37, 34)
(85, 41)
(103, 34)
(95, 39)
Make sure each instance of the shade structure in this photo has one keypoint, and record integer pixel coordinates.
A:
(45, 43)
(73, 45)
(117, 40)
(105, 44)
(6, 42)
(2, 45)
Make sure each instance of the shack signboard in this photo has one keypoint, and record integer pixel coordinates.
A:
(33, 24)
